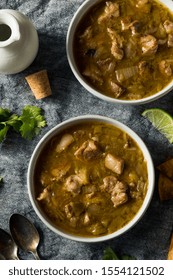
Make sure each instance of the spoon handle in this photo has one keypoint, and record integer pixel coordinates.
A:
(35, 254)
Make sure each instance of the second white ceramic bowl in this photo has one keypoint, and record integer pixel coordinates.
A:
(58, 129)
(82, 10)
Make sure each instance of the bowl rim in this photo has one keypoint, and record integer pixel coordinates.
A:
(58, 129)
(80, 12)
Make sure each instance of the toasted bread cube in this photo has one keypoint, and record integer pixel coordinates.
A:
(167, 168)
(165, 187)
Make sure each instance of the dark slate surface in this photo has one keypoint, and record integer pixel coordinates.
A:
(149, 239)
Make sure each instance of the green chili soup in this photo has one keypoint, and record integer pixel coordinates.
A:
(124, 49)
(91, 179)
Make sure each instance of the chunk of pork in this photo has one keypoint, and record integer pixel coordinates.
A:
(87, 35)
(115, 37)
(114, 163)
(116, 51)
(73, 211)
(117, 44)
(149, 44)
(144, 68)
(119, 199)
(168, 25)
(106, 65)
(109, 183)
(92, 72)
(73, 184)
(165, 68)
(120, 187)
(45, 194)
(134, 26)
(116, 188)
(65, 141)
(116, 89)
(88, 151)
(112, 10)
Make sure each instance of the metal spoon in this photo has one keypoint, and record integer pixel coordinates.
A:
(8, 248)
(24, 234)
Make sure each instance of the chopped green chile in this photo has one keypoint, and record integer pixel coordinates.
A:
(124, 49)
(80, 191)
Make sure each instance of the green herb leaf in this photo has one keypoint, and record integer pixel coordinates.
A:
(14, 122)
(28, 124)
(109, 254)
(126, 257)
(3, 131)
(32, 121)
(1, 179)
(4, 114)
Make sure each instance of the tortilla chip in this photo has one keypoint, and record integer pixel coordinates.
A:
(170, 252)
(167, 168)
(165, 187)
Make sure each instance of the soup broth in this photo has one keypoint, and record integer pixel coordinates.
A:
(91, 179)
(124, 48)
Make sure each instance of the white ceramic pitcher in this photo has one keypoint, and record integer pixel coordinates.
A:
(18, 42)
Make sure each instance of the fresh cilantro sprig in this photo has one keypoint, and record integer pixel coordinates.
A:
(28, 124)
(109, 254)
(32, 122)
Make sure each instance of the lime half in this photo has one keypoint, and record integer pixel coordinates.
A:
(161, 120)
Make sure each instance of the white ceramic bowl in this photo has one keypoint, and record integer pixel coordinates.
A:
(58, 129)
(82, 10)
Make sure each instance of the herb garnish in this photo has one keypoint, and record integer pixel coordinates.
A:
(109, 254)
(28, 124)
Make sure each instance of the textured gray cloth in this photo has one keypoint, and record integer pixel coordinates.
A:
(149, 239)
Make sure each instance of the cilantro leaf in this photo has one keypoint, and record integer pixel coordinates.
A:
(4, 127)
(109, 254)
(28, 124)
(32, 121)
(3, 131)
(14, 122)
(4, 114)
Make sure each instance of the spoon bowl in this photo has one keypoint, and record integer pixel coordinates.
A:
(8, 248)
(24, 234)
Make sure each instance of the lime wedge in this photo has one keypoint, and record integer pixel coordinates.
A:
(161, 120)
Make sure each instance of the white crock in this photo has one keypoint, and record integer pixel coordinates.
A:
(19, 46)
